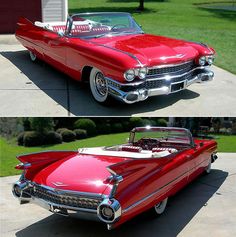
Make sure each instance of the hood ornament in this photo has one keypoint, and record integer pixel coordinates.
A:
(59, 184)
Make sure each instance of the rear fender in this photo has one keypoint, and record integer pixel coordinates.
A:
(34, 162)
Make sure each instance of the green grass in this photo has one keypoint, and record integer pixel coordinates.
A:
(9, 150)
(179, 19)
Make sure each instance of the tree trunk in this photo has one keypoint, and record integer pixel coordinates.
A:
(141, 5)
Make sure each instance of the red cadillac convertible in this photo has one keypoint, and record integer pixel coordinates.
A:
(114, 184)
(112, 53)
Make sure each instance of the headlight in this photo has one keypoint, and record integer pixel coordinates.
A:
(142, 73)
(202, 61)
(210, 59)
(129, 75)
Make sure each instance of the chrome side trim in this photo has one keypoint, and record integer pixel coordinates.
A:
(158, 190)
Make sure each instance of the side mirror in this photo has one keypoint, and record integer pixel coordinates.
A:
(201, 144)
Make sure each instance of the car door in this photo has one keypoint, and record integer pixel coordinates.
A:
(55, 50)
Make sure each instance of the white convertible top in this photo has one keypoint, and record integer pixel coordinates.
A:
(143, 154)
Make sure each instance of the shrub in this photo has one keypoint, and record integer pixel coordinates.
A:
(104, 128)
(68, 135)
(80, 133)
(52, 138)
(60, 130)
(116, 127)
(136, 122)
(148, 122)
(32, 138)
(20, 139)
(162, 122)
(86, 124)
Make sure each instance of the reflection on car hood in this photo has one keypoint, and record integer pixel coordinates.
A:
(150, 49)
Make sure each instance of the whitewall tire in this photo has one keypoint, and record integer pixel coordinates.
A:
(160, 207)
(98, 86)
(208, 168)
(33, 56)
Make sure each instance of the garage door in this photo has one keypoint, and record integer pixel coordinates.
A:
(11, 10)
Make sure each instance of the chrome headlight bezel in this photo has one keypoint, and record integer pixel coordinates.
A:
(129, 75)
(202, 60)
(142, 72)
(210, 59)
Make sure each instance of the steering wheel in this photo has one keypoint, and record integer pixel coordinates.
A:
(118, 26)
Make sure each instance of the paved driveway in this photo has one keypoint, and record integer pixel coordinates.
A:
(204, 208)
(36, 89)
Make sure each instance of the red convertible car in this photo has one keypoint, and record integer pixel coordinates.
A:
(114, 184)
(112, 53)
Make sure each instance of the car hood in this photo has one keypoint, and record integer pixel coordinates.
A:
(84, 173)
(150, 49)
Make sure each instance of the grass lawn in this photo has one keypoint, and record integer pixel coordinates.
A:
(179, 19)
(9, 150)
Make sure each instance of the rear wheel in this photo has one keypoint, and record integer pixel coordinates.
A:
(208, 168)
(33, 56)
(98, 86)
(160, 207)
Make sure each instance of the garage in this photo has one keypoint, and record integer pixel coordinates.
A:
(11, 10)
(36, 10)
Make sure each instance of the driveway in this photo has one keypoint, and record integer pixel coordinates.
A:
(206, 207)
(37, 89)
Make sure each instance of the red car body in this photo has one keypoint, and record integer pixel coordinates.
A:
(169, 65)
(114, 184)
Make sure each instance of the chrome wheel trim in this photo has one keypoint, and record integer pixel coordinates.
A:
(33, 57)
(160, 207)
(98, 85)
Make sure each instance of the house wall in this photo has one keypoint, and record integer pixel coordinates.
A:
(54, 10)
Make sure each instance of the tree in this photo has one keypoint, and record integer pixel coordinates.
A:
(41, 125)
(141, 5)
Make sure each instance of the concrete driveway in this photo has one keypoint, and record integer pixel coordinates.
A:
(37, 89)
(206, 207)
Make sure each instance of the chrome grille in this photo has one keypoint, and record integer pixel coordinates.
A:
(65, 199)
(175, 69)
(151, 84)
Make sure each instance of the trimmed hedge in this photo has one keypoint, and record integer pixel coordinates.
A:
(68, 135)
(136, 122)
(20, 139)
(104, 128)
(33, 138)
(116, 127)
(162, 122)
(60, 130)
(86, 124)
(52, 138)
(80, 134)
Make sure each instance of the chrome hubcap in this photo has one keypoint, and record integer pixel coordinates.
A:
(100, 84)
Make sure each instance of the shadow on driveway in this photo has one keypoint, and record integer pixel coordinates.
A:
(79, 100)
(180, 210)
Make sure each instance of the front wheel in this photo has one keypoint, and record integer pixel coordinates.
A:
(98, 86)
(160, 207)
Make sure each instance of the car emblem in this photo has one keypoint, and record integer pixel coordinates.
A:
(59, 184)
(175, 56)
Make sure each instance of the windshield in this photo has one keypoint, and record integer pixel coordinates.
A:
(95, 25)
(162, 134)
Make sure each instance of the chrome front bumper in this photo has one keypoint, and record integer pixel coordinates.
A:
(135, 92)
(23, 190)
